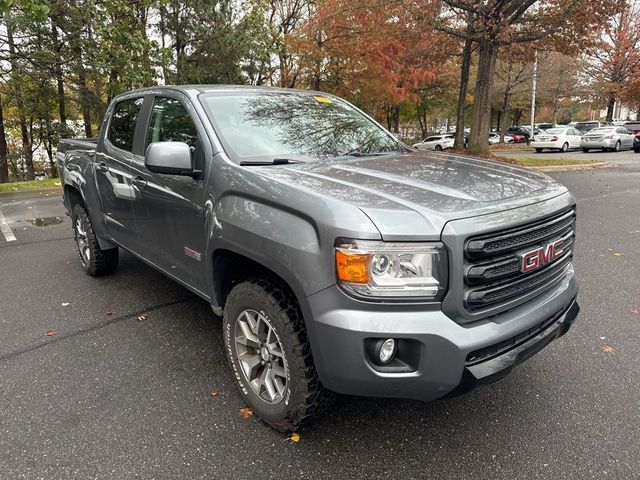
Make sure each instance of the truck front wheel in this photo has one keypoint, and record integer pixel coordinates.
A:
(94, 260)
(269, 353)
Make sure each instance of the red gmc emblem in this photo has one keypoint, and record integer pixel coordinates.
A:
(541, 256)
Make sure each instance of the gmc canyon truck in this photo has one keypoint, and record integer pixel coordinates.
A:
(339, 258)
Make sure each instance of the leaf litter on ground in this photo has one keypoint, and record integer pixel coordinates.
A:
(246, 412)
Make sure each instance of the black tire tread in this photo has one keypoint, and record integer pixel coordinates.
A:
(316, 398)
(103, 262)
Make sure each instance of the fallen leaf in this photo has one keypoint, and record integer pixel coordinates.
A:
(50, 333)
(142, 318)
(214, 393)
(246, 412)
(607, 349)
(634, 311)
(65, 304)
(295, 437)
(109, 313)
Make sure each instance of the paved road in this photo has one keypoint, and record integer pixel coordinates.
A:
(112, 397)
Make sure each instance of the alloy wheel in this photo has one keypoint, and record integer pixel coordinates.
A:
(81, 241)
(261, 356)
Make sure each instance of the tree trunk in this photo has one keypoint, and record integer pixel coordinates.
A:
(4, 166)
(610, 106)
(505, 115)
(48, 145)
(85, 106)
(481, 115)
(24, 133)
(26, 147)
(464, 83)
(396, 119)
(58, 72)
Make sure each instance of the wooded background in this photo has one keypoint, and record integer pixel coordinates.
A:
(414, 65)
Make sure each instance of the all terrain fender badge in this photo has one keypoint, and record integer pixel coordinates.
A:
(189, 252)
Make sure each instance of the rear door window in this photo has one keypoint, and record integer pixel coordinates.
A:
(123, 123)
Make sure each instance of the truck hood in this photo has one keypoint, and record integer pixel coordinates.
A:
(413, 195)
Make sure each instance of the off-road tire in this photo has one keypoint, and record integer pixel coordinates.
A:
(100, 262)
(304, 395)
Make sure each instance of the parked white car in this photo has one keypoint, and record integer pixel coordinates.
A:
(495, 138)
(559, 138)
(607, 138)
(436, 142)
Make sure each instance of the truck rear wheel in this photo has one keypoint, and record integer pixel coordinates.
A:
(94, 260)
(269, 353)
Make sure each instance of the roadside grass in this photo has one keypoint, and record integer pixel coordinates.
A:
(509, 147)
(550, 162)
(529, 161)
(30, 185)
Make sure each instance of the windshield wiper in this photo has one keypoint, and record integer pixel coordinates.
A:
(275, 161)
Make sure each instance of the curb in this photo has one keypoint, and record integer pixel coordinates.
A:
(571, 168)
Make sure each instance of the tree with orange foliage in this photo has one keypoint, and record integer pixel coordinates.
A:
(371, 52)
(499, 23)
(614, 62)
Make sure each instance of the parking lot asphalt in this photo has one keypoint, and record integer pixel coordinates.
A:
(122, 390)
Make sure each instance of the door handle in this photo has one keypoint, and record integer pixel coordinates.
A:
(139, 182)
(102, 167)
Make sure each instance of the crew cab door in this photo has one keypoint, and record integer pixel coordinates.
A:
(169, 209)
(112, 163)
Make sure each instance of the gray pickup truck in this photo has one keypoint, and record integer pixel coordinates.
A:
(340, 259)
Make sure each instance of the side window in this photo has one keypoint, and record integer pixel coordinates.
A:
(123, 123)
(170, 122)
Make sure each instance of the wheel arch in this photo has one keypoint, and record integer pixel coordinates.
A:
(229, 267)
(73, 196)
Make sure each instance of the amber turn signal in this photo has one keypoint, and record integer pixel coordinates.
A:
(352, 267)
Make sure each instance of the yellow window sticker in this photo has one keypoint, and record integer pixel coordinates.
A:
(322, 99)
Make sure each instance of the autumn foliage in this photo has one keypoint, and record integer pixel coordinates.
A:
(372, 52)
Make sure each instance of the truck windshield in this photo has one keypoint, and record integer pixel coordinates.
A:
(261, 126)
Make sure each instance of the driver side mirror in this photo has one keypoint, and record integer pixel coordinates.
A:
(171, 158)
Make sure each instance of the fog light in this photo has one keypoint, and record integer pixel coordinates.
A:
(387, 350)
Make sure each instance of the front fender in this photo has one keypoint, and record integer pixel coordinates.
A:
(284, 241)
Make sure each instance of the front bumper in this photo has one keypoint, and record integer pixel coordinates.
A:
(340, 328)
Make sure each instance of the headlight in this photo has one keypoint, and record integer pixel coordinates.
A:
(389, 269)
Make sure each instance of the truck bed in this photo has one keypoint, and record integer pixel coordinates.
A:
(66, 144)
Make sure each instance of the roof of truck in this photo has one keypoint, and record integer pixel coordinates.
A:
(217, 88)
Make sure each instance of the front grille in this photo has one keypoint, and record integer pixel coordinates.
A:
(492, 261)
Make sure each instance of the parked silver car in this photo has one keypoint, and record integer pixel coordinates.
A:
(607, 138)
